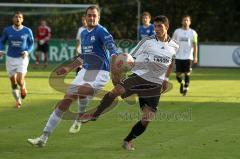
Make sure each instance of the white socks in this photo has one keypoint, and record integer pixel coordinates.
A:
(82, 104)
(15, 93)
(53, 121)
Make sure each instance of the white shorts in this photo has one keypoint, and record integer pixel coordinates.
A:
(96, 78)
(16, 65)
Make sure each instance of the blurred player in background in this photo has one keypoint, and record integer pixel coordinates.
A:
(81, 102)
(188, 52)
(154, 58)
(42, 37)
(147, 29)
(97, 47)
(20, 43)
(78, 36)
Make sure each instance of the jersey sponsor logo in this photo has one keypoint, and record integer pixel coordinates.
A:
(87, 49)
(92, 38)
(185, 39)
(24, 36)
(161, 59)
(16, 43)
(236, 56)
(146, 60)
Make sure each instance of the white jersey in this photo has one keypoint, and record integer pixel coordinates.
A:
(78, 36)
(185, 39)
(152, 58)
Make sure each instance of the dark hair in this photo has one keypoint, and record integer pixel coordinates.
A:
(146, 14)
(163, 19)
(186, 16)
(91, 8)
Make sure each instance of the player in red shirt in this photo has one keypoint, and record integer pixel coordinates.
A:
(43, 36)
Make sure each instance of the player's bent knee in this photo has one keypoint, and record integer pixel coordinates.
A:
(179, 74)
(82, 97)
(145, 122)
(85, 90)
(70, 96)
(14, 86)
(187, 73)
(148, 115)
(118, 90)
(20, 79)
(64, 104)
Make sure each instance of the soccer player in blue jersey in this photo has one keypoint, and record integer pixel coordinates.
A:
(97, 46)
(147, 29)
(20, 43)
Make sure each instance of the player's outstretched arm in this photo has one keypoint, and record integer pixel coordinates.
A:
(3, 40)
(195, 53)
(66, 69)
(170, 68)
(30, 42)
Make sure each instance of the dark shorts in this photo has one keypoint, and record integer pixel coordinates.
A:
(183, 65)
(148, 92)
(77, 70)
(43, 48)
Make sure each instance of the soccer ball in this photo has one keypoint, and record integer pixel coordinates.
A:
(125, 62)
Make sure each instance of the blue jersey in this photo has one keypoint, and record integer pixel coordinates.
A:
(18, 41)
(146, 31)
(97, 46)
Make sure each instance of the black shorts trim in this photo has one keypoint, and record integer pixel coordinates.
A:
(43, 48)
(183, 66)
(152, 102)
(148, 92)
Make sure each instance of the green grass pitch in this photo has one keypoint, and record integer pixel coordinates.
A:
(202, 125)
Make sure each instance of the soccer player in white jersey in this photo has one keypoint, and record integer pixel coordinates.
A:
(188, 50)
(97, 47)
(20, 43)
(154, 58)
(75, 128)
(78, 36)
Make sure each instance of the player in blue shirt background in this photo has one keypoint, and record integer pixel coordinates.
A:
(20, 43)
(147, 29)
(97, 47)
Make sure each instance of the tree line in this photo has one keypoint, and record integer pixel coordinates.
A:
(214, 21)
